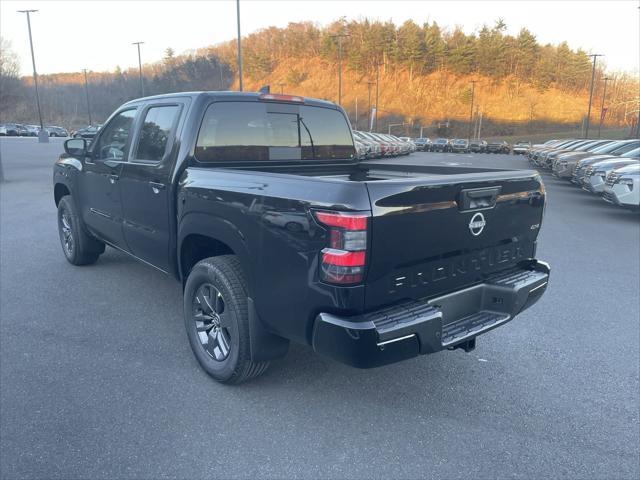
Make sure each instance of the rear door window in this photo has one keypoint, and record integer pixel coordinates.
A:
(261, 131)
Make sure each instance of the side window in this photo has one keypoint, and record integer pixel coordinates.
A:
(155, 132)
(113, 138)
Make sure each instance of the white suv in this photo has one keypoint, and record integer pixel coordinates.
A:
(623, 187)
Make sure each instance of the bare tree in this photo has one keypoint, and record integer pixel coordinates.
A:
(10, 85)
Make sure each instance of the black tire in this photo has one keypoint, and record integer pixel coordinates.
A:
(217, 322)
(78, 246)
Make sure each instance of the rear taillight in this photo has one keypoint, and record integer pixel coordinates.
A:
(343, 262)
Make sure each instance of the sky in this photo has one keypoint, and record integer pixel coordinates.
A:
(97, 35)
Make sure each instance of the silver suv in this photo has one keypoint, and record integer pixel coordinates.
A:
(622, 187)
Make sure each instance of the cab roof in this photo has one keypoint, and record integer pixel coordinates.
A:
(229, 96)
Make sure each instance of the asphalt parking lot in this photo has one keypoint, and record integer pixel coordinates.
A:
(98, 381)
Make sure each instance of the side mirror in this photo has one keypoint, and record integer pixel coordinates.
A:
(76, 147)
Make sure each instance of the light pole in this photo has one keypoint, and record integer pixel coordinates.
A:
(593, 74)
(339, 36)
(281, 85)
(369, 83)
(473, 91)
(604, 95)
(140, 68)
(356, 128)
(377, 92)
(86, 92)
(43, 136)
(239, 44)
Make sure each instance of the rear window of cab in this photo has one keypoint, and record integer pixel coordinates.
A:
(266, 131)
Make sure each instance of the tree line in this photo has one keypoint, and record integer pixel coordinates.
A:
(408, 51)
(421, 49)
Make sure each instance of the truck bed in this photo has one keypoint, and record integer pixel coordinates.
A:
(421, 240)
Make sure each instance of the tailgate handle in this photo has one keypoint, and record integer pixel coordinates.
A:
(478, 198)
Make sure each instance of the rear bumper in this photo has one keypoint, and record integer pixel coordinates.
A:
(416, 328)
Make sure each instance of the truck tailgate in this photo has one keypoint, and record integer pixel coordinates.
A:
(433, 235)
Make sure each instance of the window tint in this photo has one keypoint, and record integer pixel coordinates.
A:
(113, 140)
(607, 148)
(635, 153)
(253, 131)
(155, 132)
(627, 147)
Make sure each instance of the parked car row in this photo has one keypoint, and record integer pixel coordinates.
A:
(461, 145)
(378, 145)
(20, 130)
(610, 168)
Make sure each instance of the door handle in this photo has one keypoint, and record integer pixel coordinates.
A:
(156, 187)
(113, 178)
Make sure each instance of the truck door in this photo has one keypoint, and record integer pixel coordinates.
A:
(98, 185)
(145, 184)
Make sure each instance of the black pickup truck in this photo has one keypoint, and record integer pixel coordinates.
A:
(257, 204)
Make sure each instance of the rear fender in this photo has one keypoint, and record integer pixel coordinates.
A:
(219, 229)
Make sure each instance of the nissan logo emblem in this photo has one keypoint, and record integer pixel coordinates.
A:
(477, 223)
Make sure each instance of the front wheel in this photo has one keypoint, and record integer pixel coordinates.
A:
(78, 246)
(217, 320)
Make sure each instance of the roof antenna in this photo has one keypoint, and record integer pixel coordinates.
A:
(265, 89)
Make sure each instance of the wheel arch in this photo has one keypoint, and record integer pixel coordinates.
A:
(60, 190)
(202, 235)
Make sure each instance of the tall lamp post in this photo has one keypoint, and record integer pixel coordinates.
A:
(340, 36)
(604, 95)
(593, 74)
(473, 91)
(43, 136)
(140, 68)
(377, 92)
(369, 83)
(86, 92)
(239, 44)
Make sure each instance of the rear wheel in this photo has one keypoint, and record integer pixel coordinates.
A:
(217, 320)
(78, 247)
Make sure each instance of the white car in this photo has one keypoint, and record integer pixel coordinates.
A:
(521, 148)
(3, 131)
(32, 130)
(597, 173)
(623, 187)
(412, 146)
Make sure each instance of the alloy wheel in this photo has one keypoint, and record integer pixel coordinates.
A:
(212, 322)
(68, 242)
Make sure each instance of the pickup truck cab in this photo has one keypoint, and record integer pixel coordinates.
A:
(257, 204)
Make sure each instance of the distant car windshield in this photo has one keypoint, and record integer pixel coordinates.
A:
(632, 154)
(627, 147)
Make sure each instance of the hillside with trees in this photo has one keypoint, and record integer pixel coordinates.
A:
(423, 73)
